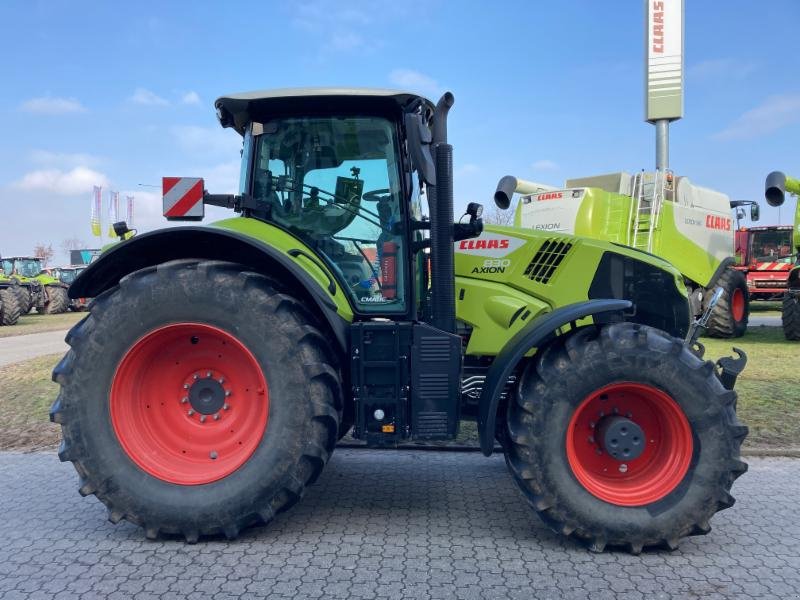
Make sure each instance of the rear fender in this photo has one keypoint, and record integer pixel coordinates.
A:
(206, 243)
(528, 338)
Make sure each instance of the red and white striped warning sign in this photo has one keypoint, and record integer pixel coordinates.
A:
(183, 197)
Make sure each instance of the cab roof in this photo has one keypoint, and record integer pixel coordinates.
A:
(237, 110)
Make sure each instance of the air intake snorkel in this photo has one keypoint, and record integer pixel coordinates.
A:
(440, 198)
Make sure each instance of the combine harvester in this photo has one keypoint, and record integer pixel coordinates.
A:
(657, 211)
(776, 186)
(765, 256)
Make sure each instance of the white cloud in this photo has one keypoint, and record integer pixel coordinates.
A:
(415, 81)
(718, 68)
(205, 141)
(78, 180)
(49, 105)
(64, 159)
(545, 165)
(771, 115)
(147, 98)
(190, 98)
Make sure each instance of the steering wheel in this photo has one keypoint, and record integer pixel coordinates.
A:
(375, 195)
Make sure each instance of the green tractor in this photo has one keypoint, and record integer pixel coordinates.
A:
(9, 300)
(775, 188)
(218, 365)
(37, 289)
(67, 275)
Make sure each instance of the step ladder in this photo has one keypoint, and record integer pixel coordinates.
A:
(648, 193)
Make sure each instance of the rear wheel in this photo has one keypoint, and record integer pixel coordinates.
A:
(57, 300)
(622, 437)
(790, 316)
(9, 307)
(211, 404)
(730, 315)
(23, 299)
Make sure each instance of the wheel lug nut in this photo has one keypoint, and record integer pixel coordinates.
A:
(184, 400)
(208, 373)
(190, 413)
(195, 376)
(221, 380)
(216, 416)
(202, 418)
(225, 406)
(213, 455)
(186, 386)
(227, 393)
(591, 424)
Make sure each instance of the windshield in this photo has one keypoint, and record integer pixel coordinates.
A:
(27, 267)
(8, 267)
(67, 275)
(771, 246)
(334, 182)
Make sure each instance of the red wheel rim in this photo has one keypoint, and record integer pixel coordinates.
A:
(659, 468)
(189, 403)
(737, 305)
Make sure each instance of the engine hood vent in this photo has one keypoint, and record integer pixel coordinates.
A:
(546, 261)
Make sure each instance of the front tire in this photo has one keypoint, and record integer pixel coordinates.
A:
(182, 341)
(730, 315)
(9, 307)
(790, 315)
(563, 461)
(57, 300)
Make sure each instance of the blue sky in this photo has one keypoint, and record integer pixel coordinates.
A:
(122, 93)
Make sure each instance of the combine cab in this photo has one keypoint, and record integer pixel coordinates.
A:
(765, 256)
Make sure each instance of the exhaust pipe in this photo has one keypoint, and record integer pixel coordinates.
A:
(440, 198)
(509, 185)
(775, 188)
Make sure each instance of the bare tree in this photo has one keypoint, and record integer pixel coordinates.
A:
(72, 244)
(497, 216)
(44, 252)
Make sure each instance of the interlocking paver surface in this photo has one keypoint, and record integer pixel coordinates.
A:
(393, 524)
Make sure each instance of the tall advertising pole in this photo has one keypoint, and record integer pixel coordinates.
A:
(664, 70)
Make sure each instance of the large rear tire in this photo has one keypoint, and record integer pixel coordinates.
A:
(197, 399)
(790, 316)
(9, 307)
(23, 299)
(730, 315)
(57, 300)
(684, 430)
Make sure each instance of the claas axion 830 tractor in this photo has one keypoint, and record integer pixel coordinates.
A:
(219, 365)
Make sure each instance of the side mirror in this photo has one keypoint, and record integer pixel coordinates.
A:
(755, 212)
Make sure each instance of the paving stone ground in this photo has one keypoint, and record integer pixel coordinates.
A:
(380, 524)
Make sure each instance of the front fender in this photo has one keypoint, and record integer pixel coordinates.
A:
(212, 243)
(531, 336)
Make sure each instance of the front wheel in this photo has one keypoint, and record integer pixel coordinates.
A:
(622, 437)
(729, 317)
(790, 315)
(57, 300)
(197, 399)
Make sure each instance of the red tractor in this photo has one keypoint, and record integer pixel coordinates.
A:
(764, 254)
